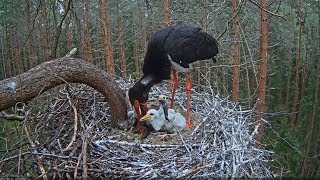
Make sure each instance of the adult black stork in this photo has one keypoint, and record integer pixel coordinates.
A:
(176, 48)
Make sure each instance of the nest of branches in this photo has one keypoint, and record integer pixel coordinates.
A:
(66, 132)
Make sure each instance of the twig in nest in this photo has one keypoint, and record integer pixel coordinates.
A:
(75, 129)
(85, 143)
(11, 117)
(39, 160)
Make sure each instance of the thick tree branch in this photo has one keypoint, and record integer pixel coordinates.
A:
(37, 80)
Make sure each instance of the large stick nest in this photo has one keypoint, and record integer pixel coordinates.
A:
(67, 133)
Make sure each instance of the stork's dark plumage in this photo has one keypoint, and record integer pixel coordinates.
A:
(175, 47)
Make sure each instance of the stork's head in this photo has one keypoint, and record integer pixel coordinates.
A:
(162, 99)
(153, 117)
(152, 114)
(137, 93)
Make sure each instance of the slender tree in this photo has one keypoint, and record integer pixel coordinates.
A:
(31, 50)
(87, 36)
(122, 60)
(108, 50)
(136, 57)
(47, 48)
(235, 53)
(288, 81)
(166, 13)
(68, 33)
(295, 105)
(261, 95)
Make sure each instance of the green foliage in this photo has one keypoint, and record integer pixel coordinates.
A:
(286, 144)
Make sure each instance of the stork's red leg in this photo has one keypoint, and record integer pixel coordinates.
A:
(188, 89)
(175, 85)
(137, 109)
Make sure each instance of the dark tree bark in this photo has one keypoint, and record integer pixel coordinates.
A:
(37, 80)
(295, 105)
(261, 96)
(288, 81)
(236, 53)
(122, 59)
(107, 39)
(166, 13)
(87, 36)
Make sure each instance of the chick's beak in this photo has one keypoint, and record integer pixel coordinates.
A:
(146, 117)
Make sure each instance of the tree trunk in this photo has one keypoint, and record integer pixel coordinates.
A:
(47, 49)
(107, 36)
(31, 51)
(7, 55)
(122, 60)
(305, 163)
(37, 80)
(295, 112)
(18, 59)
(166, 13)
(87, 37)
(236, 53)
(261, 95)
(288, 81)
(136, 57)
(68, 32)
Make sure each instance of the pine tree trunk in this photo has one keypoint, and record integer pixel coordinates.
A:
(295, 112)
(261, 96)
(143, 37)
(87, 37)
(68, 32)
(136, 57)
(166, 13)
(122, 60)
(288, 81)
(107, 36)
(311, 125)
(236, 53)
(31, 51)
(7, 55)
(47, 49)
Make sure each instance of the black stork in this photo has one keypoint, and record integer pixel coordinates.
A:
(176, 48)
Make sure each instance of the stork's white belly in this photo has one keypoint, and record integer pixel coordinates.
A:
(177, 67)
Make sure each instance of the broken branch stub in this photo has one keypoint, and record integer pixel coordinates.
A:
(37, 80)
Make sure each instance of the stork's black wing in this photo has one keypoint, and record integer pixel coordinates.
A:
(187, 44)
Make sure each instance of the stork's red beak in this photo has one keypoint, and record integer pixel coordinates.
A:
(141, 109)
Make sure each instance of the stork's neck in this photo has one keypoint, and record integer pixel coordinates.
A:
(148, 81)
(140, 90)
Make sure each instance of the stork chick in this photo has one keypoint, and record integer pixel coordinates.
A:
(174, 121)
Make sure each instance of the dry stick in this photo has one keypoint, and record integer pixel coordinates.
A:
(11, 117)
(75, 129)
(77, 167)
(85, 156)
(39, 160)
(19, 162)
(71, 53)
